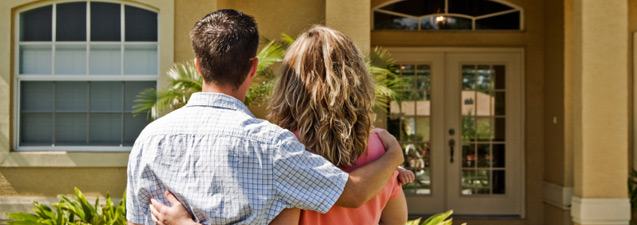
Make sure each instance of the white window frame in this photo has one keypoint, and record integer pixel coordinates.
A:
(86, 77)
(447, 14)
(82, 156)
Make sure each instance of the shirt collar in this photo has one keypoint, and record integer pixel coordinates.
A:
(217, 100)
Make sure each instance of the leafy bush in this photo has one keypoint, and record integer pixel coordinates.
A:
(73, 212)
(438, 219)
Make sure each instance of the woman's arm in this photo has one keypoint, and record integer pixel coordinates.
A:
(287, 217)
(395, 211)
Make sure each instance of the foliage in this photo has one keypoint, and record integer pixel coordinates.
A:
(73, 212)
(438, 219)
(632, 192)
(185, 80)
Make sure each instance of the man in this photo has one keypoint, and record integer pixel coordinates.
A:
(224, 165)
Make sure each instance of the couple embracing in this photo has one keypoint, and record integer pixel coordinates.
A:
(213, 162)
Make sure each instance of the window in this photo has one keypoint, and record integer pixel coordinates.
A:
(79, 66)
(448, 15)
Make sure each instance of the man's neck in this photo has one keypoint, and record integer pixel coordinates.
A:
(234, 92)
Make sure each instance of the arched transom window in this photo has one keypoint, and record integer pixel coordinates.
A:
(448, 15)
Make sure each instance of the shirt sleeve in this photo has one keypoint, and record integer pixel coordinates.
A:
(135, 212)
(305, 180)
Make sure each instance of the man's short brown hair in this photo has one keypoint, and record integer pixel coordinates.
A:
(224, 43)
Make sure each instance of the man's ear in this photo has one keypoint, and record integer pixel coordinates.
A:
(253, 69)
(197, 65)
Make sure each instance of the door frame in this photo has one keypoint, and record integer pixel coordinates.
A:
(405, 54)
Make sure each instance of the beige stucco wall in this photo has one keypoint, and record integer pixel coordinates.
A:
(532, 40)
(280, 16)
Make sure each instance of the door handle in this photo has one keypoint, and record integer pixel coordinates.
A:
(452, 143)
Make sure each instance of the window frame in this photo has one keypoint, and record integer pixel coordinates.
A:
(82, 156)
(85, 77)
(446, 13)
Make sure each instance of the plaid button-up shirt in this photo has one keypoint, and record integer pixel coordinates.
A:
(226, 166)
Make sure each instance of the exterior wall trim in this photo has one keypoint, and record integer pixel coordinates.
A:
(600, 210)
(557, 195)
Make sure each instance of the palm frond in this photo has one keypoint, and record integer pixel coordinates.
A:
(270, 54)
(184, 81)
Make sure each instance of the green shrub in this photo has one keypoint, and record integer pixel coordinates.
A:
(73, 212)
(438, 219)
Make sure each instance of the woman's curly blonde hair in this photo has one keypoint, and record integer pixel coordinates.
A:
(326, 94)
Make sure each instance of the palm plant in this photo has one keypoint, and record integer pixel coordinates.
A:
(185, 80)
(438, 219)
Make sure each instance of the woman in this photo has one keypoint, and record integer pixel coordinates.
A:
(325, 95)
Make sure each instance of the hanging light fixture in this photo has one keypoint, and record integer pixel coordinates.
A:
(440, 18)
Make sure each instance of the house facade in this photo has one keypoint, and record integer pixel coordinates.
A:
(517, 111)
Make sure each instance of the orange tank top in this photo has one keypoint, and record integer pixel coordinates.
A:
(368, 213)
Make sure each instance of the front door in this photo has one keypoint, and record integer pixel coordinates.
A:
(460, 123)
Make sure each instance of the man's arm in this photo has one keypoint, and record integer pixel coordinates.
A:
(365, 182)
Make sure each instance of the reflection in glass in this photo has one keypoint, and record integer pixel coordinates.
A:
(499, 182)
(71, 97)
(499, 101)
(105, 128)
(467, 181)
(468, 77)
(106, 97)
(498, 155)
(71, 21)
(421, 185)
(70, 128)
(384, 21)
(133, 125)
(483, 79)
(36, 96)
(70, 59)
(422, 129)
(483, 130)
(499, 129)
(105, 21)
(106, 60)
(484, 156)
(132, 89)
(445, 23)
(36, 25)
(35, 59)
(476, 7)
(416, 7)
(499, 77)
(468, 155)
(510, 21)
(141, 24)
(482, 179)
(36, 128)
(140, 60)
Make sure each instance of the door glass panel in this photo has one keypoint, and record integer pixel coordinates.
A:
(410, 122)
(483, 129)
